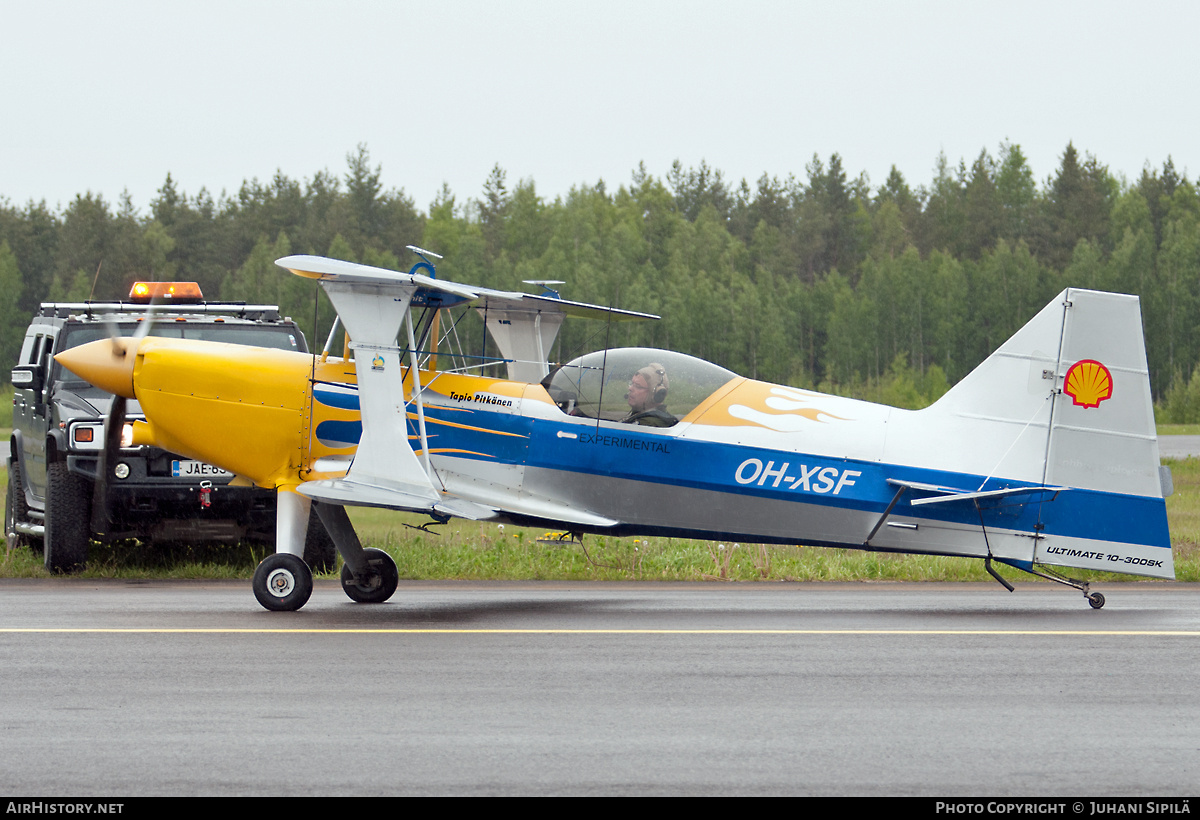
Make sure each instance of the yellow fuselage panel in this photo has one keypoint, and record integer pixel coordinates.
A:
(259, 442)
(252, 410)
(212, 370)
(242, 408)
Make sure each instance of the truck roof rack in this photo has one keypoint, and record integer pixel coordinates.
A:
(63, 310)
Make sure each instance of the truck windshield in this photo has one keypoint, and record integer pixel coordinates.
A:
(279, 337)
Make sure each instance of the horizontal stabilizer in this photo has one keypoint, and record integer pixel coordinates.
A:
(921, 487)
(1010, 491)
(949, 495)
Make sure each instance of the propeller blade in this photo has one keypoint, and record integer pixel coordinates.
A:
(114, 337)
(119, 369)
(114, 424)
(145, 325)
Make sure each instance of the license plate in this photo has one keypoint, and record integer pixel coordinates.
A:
(198, 469)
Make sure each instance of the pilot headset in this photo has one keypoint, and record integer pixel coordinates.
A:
(656, 378)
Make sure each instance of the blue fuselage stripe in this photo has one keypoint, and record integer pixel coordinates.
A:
(629, 452)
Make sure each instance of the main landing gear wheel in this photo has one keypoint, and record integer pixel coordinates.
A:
(380, 583)
(1096, 600)
(282, 582)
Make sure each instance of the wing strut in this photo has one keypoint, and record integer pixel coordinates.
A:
(415, 369)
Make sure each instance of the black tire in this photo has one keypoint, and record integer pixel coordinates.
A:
(10, 534)
(320, 553)
(68, 519)
(16, 511)
(1096, 600)
(282, 582)
(379, 585)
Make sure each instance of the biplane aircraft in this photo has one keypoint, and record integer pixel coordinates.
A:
(1044, 457)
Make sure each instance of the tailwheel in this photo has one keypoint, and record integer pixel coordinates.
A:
(378, 584)
(282, 582)
(1095, 599)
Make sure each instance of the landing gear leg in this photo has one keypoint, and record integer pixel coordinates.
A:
(1095, 599)
(987, 564)
(369, 576)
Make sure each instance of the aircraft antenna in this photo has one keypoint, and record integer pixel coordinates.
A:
(95, 279)
(424, 263)
(545, 285)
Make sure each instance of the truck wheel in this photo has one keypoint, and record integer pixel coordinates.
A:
(68, 516)
(319, 551)
(17, 512)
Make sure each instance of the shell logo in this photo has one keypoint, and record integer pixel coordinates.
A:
(1088, 383)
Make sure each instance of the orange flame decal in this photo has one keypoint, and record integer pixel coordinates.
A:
(1088, 383)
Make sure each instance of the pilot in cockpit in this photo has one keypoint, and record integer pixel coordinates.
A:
(647, 398)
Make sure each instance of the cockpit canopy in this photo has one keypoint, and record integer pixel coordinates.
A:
(597, 385)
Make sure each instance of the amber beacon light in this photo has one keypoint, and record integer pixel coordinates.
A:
(167, 291)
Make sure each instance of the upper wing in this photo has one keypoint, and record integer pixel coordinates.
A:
(522, 325)
(435, 292)
(320, 267)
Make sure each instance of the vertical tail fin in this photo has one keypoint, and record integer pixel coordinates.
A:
(1102, 433)
(1065, 401)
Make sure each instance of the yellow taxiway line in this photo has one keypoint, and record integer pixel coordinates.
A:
(504, 631)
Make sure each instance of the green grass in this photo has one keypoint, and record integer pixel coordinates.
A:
(475, 550)
(1183, 513)
(1178, 429)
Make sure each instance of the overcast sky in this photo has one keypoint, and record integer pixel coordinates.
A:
(111, 96)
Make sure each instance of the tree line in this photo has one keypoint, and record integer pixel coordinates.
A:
(889, 292)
